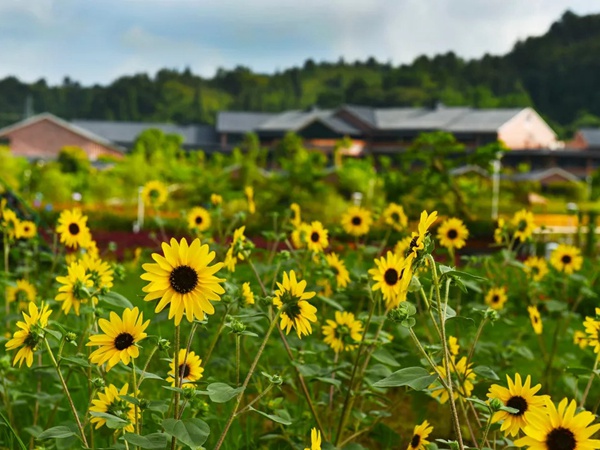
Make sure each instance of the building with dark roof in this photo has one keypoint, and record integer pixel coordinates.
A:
(586, 139)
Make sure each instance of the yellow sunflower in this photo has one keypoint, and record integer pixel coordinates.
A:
(419, 438)
(520, 397)
(344, 333)
(154, 193)
(315, 440)
(500, 231)
(120, 338)
(249, 191)
(291, 299)
(523, 224)
(30, 335)
(99, 271)
(465, 377)
(342, 276)
(73, 230)
(184, 279)
(536, 268)
(24, 292)
(75, 288)
(316, 237)
(402, 246)
(191, 372)
(198, 219)
(566, 258)
(560, 429)
(296, 218)
(10, 223)
(234, 254)
(580, 339)
(417, 241)
(392, 276)
(395, 217)
(536, 319)
(453, 345)
(216, 199)
(26, 230)
(592, 328)
(247, 294)
(496, 298)
(298, 235)
(357, 221)
(110, 402)
(453, 233)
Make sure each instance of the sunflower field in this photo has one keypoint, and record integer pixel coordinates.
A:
(376, 330)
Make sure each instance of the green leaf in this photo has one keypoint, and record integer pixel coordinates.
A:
(75, 360)
(385, 357)
(334, 381)
(415, 377)
(221, 392)
(112, 421)
(147, 375)
(272, 417)
(191, 432)
(486, 372)
(331, 302)
(55, 334)
(60, 432)
(150, 441)
(114, 299)
(12, 430)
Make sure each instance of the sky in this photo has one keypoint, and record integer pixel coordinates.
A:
(96, 41)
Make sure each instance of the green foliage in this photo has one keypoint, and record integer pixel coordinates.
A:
(72, 159)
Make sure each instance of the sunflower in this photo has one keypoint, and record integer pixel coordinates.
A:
(453, 345)
(234, 253)
(316, 237)
(560, 429)
(524, 225)
(120, 338)
(74, 289)
(190, 373)
(500, 231)
(297, 235)
(296, 218)
(402, 246)
(453, 233)
(395, 217)
(91, 249)
(99, 271)
(496, 298)
(183, 278)
(419, 439)
(110, 402)
(198, 219)
(24, 292)
(30, 335)
(580, 339)
(520, 397)
(344, 333)
(315, 440)
(26, 229)
(592, 328)
(536, 319)
(73, 229)
(465, 376)
(249, 191)
(326, 290)
(392, 276)
(154, 193)
(357, 221)
(10, 223)
(291, 299)
(247, 294)
(417, 241)
(342, 276)
(216, 199)
(536, 268)
(566, 258)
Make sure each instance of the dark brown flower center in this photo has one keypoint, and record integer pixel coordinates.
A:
(495, 298)
(314, 236)
(415, 441)
(522, 225)
(566, 259)
(184, 370)
(452, 234)
(561, 439)
(183, 279)
(123, 341)
(395, 217)
(198, 220)
(535, 319)
(391, 277)
(356, 221)
(519, 403)
(74, 229)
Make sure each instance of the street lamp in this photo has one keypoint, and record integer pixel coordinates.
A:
(496, 166)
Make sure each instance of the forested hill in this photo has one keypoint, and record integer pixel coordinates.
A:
(557, 73)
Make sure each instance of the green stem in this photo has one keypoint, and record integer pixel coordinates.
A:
(589, 384)
(246, 382)
(237, 359)
(257, 398)
(217, 335)
(487, 430)
(66, 390)
(139, 383)
(135, 395)
(176, 394)
(477, 336)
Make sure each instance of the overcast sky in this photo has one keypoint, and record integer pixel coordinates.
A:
(96, 41)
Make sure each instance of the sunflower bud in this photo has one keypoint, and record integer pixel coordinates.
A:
(496, 404)
(454, 445)
(491, 315)
(164, 345)
(98, 383)
(237, 326)
(71, 338)
(189, 392)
